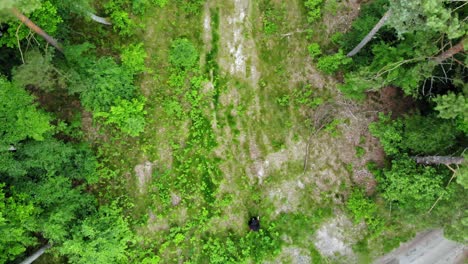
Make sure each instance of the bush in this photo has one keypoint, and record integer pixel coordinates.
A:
(314, 50)
(106, 82)
(183, 54)
(313, 10)
(411, 186)
(331, 63)
(121, 21)
(415, 134)
(363, 208)
(128, 116)
(133, 58)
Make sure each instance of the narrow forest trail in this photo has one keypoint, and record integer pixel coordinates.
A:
(249, 146)
(272, 163)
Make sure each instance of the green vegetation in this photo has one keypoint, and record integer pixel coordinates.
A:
(156, 139)
(364, 209)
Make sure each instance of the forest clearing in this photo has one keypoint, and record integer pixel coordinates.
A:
(233, 131)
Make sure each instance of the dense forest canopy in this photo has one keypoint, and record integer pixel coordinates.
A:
(152, 131)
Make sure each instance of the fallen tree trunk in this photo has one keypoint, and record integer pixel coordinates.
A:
(450, 52)
(446, 160)
(36, 29)
(36, 255)
(371, 34)
(99, 19)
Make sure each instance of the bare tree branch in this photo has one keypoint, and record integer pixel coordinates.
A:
(36, 255)
(36, 29)
(451, 52)
(446, 160)
(371, 34)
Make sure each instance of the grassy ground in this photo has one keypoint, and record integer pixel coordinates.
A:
(264, 134)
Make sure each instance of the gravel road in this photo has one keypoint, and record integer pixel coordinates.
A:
(429, 247)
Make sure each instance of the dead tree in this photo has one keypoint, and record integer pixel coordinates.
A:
(446, 160)
(451, 52)
(101, 20)
(36, 29)
(36, 255)
(371, 34)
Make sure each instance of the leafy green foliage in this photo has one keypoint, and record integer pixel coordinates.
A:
(192, 7)
(133, 58)
(370, 14)
(427, 15)
(17, 220)
(61, 204)
(415, 134)
(458, 231)
(364, 209)
(121, 21)
(331, 63)
(107, 89)
(183, 54)
(254, 245)
(462, 173)
(453, 106)
(20, 117)
(38, 71)
(411, 186)
(128, 116)
(45, 17)
(107, 82)
(314, 50)
(101, 238)
(52, 157)
(273, 17)
(360, 152)
(24, 6)
(313, 8)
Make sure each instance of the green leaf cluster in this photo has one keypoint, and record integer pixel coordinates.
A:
(313, 8)
(364, 209)
(101, 238)
(133, 58)
(20, 117)
(331, 63)
(414, 134)
(17, 221)
(128, 116)
(46, 17)
(38, 71)
(453, 106)
(411, 186)
(183, 54)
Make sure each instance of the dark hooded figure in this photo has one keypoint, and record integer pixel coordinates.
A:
(254, 223)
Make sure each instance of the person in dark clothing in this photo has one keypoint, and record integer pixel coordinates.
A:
(254, 223)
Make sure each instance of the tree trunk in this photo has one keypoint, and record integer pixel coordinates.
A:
(371, 34)
(99, 19)
(36, 255)
(36, 29)
(450, 52)
(446, 160)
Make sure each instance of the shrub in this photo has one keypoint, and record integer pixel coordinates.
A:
(364, 209)
(415, 134)
(133, 58)
(313, 10)
(106, 82)
(128, 116)
(183, 54)
(314, 50)
(411, 186)
(331, 63)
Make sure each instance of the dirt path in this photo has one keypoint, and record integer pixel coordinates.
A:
(428, 247)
